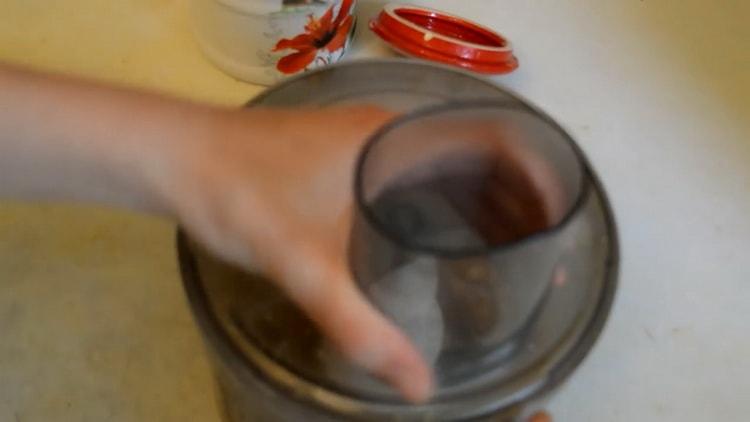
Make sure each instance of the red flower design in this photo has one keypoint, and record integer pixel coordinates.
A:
(325, 33)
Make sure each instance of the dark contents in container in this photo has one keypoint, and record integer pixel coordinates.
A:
(462, 203)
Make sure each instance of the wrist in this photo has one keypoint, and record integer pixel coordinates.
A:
(168, 150)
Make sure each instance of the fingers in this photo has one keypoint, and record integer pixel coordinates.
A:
(324, 290)
(367, 114)
(286, 220)
(545, 182)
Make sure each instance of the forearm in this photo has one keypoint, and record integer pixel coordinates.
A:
(68, 140)
(265, 187)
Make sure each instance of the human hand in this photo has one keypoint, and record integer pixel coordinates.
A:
(272, 189)
(267, 189)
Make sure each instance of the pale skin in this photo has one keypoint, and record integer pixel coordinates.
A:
(266, 189)
(269, 189)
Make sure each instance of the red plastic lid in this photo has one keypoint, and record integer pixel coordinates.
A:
(442, 37)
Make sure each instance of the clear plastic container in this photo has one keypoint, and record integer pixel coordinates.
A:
(499, 345)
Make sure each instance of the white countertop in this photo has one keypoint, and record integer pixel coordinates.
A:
(657, 92)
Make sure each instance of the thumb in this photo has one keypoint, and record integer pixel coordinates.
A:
(325, 291)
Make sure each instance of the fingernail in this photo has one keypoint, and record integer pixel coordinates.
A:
(410, 375)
